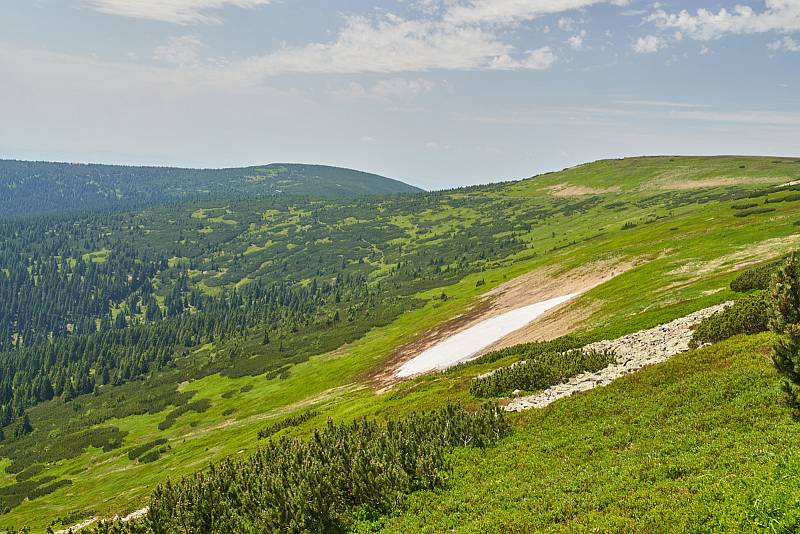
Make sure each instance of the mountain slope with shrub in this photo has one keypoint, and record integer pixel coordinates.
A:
(225, 320)
(36, 187)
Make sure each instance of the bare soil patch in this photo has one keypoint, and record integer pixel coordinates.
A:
(746, 256)
(568, 190)
(668, 184)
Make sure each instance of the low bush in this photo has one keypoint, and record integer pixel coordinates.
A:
(756, 278)
(539, 372)
(346, 471)
(525, 351)
(198, 406)
(152, 456)
(295, 420)
(136, 452)
(748, 315)
(754, 211)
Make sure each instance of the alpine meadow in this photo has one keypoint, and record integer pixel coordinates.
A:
(421, 326)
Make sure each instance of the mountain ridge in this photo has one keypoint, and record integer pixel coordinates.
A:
(39, 187)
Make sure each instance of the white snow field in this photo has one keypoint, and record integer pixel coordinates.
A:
(465, 345)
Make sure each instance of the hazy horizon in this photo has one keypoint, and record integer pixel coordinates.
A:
(436, 93)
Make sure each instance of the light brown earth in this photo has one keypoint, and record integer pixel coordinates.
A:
(535, 286)
(666, 183)
(746, 256)
(568, 190)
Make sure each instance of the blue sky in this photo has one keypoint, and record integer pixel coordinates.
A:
(436, 92)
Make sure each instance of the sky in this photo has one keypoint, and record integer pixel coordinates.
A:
(438, 93)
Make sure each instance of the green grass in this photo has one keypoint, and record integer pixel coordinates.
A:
(701, 443)
(681, 229)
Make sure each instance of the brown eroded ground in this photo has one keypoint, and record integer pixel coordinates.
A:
(535, 286)
(568, 190)
(669, 184)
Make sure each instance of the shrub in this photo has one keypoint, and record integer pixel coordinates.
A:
(786, 322)
(754, 211)
(756, 278)
(151, 456)
(539, 372)
(320, 485)
(295, 420)
(525, 351)
(198, 406)
(136, 452)
(748, 315)
(744, 206)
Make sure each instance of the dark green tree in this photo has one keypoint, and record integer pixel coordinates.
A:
(786, 322)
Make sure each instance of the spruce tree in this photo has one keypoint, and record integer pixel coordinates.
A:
(786, 322)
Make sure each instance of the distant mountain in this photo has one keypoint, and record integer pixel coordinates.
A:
(33, 187)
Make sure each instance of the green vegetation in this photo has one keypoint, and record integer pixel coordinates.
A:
(136, 452)
(36, 187)
(700, 443)
(295, 420)
(756, 278)
(294, 305)
(539, 371)
(748, 315)
(786, 322)
(358, 469)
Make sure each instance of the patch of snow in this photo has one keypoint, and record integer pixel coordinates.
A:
(468, 343)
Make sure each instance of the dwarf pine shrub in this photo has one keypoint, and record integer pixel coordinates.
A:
(748, 315)
(786, 322)
(542, 370)
(319, 484)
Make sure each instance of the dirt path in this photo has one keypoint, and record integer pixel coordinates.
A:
(633, 352)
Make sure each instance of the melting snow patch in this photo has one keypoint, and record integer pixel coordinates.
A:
(466, 345)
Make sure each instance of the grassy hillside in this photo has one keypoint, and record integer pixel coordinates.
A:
(685, 225)
(28, 187)
(701, 443)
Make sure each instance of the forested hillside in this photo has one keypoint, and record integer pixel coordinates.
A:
(35, 187)
(149, 341)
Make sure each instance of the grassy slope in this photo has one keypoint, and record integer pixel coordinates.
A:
(699, 443)
(111, 483)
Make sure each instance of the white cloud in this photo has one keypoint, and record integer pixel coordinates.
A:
(787, 44)
(184, 50)
(648, 44)
(566, 24)
(576, 41)
(174, 11)
(393, 44)
(539, 59)
(515, 11)
(705, 25)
